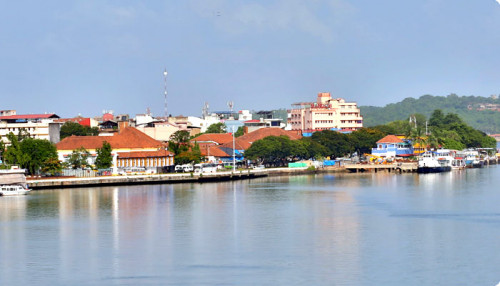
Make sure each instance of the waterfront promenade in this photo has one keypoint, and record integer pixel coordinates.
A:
(168, 178)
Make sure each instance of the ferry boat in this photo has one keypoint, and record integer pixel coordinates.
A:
(431, 162)
(13, 190)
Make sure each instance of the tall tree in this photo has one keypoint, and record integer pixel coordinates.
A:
(179, 142)
(216, 128)
(239, 132)
(104, 158)
(79, 158)
(365, 139)
(336, 143)
(274, 150)
(31, 154)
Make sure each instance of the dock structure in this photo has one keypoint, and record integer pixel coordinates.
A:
(391, 168)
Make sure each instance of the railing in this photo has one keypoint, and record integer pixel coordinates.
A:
(85, 173)
(397, 151)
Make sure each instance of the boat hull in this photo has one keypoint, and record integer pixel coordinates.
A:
(426, 170)
(20, 193)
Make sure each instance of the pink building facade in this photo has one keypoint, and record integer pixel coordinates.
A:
(326, 113)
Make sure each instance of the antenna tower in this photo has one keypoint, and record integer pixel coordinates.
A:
(230, 104)
(165, 78)
(205, 110)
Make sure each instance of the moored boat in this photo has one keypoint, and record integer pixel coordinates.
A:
(458, 163)
(13, 190)
(472, 159)
(430, 162)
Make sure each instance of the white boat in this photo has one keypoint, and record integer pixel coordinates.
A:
(458, 162)
(13, 190)
(472, 159)
(430, 162)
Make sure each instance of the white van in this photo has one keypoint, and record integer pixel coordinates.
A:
(179, 168)
(206, 168)
(187, 168)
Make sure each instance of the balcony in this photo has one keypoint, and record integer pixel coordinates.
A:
(392, 152)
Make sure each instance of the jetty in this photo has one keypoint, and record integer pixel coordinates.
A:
(395, 167)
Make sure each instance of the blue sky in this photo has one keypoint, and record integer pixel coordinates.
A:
(84, 56)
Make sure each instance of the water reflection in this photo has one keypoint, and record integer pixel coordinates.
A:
(316, 229)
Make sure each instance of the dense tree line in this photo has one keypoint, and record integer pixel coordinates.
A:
(485, 120)
(440, 130)
(279, 151)
(34, 155)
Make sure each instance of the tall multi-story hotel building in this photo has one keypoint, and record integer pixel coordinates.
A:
(326, 113)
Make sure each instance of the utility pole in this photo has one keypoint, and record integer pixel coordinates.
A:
(234, 154)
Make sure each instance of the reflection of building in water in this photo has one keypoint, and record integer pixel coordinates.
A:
(337, 230)
(13, 208)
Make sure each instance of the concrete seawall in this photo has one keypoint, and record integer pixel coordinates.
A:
(168, 178)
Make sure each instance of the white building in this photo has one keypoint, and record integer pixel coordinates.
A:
(39, 126)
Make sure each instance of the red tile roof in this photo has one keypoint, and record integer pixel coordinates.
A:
(390, 139)
(29, 116)
(127, 138)
(219, 138)
(145, 154)
(214, 151)
(243, 142)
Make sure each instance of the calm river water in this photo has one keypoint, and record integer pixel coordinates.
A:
(342, 229)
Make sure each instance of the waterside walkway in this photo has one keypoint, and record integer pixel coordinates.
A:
(167, 178)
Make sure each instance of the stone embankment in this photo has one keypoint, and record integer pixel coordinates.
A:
(168, 178)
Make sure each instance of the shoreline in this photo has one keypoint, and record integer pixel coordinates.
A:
(38, 184)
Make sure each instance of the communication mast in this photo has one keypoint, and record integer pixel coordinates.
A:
(230, 104)
(165, 78)
(205, 110)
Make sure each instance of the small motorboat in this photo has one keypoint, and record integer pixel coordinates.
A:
(13, 190)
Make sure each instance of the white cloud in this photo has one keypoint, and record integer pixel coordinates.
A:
(498, 1)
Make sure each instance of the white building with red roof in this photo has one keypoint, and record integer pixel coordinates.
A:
(39, 126)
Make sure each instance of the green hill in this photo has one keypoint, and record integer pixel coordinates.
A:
(482, 113)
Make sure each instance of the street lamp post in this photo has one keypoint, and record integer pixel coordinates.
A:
(234, 154)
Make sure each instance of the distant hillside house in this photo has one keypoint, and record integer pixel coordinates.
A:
(131, 148)
(39, 126)
(326, 113)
